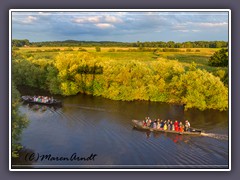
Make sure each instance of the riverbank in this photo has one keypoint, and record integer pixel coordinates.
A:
(159, 80)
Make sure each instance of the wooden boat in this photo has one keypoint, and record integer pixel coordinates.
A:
(29, 99)
(138, 124)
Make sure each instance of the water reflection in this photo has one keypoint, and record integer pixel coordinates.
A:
(87, 124)
(176, 138)
(40, 107)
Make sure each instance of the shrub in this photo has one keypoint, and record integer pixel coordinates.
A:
(111, 50)
(82, 49)
(98, 49)
(219, 58)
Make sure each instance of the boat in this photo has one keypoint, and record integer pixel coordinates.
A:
(193, 131)
(29, 99)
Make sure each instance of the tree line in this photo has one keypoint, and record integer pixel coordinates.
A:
(162, 80)
(153, 44)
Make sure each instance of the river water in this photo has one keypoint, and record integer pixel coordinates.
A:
(87, 126)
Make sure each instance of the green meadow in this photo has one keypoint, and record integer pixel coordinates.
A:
(179, 76)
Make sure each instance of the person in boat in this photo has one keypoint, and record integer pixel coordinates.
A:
(146, 119)
(165, 126)
(173, 127)
(144, 123)
(158, 124)
(181, 128)
(44, 99)
(169, 126)
(168, 121)
(30, 98)
(149, 123)
(176, 125)
(154, 125)
(161, 124)
(187, 125)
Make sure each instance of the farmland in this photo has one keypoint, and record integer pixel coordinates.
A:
(173, 75)
(199, 56)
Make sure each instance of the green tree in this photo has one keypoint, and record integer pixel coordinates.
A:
(18, 122)
(219, 58)
(199, 89)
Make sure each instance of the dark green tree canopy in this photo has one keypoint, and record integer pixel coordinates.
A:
(150, 44)
(219, 58)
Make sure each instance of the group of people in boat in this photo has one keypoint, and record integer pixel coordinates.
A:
(42, 99)
(167, 125)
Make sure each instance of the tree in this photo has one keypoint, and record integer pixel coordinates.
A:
(219, 58)
(199, 89)
(19, 122)
(20, 43)
(98, 49)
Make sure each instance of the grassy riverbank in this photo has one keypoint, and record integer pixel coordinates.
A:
(181, 77)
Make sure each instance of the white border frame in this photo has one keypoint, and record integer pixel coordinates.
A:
(122, 10)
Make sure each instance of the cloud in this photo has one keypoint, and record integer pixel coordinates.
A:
(30, 19)
(208, 24)
(97, 19)
(119, 25)
(25, 20)
(104, 25)
(195, 30)
(44, 13)
(113, 19)
(93, 19)
(182, 30)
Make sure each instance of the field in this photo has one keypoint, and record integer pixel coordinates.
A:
(199, 56)
(180, 76)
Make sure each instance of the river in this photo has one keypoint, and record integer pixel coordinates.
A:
(85, 126)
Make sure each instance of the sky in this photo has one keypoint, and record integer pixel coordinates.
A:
(120, 26)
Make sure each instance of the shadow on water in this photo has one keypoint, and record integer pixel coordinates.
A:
(39, 107)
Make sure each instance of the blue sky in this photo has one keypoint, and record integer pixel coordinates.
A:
(120, 26)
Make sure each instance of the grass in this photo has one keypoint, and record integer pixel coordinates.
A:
(188, 58)
(126, 56)
(199, 56)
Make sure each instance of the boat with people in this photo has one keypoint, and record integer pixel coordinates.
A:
(44, 100)
(139, 124)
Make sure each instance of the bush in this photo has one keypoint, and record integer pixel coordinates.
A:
(219, 58)
(98, 49)
(15, 48)
(82, 49)
(68, 49)
(111, 50)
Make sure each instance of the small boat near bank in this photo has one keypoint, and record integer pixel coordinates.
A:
(138, 124)
(52, 102)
